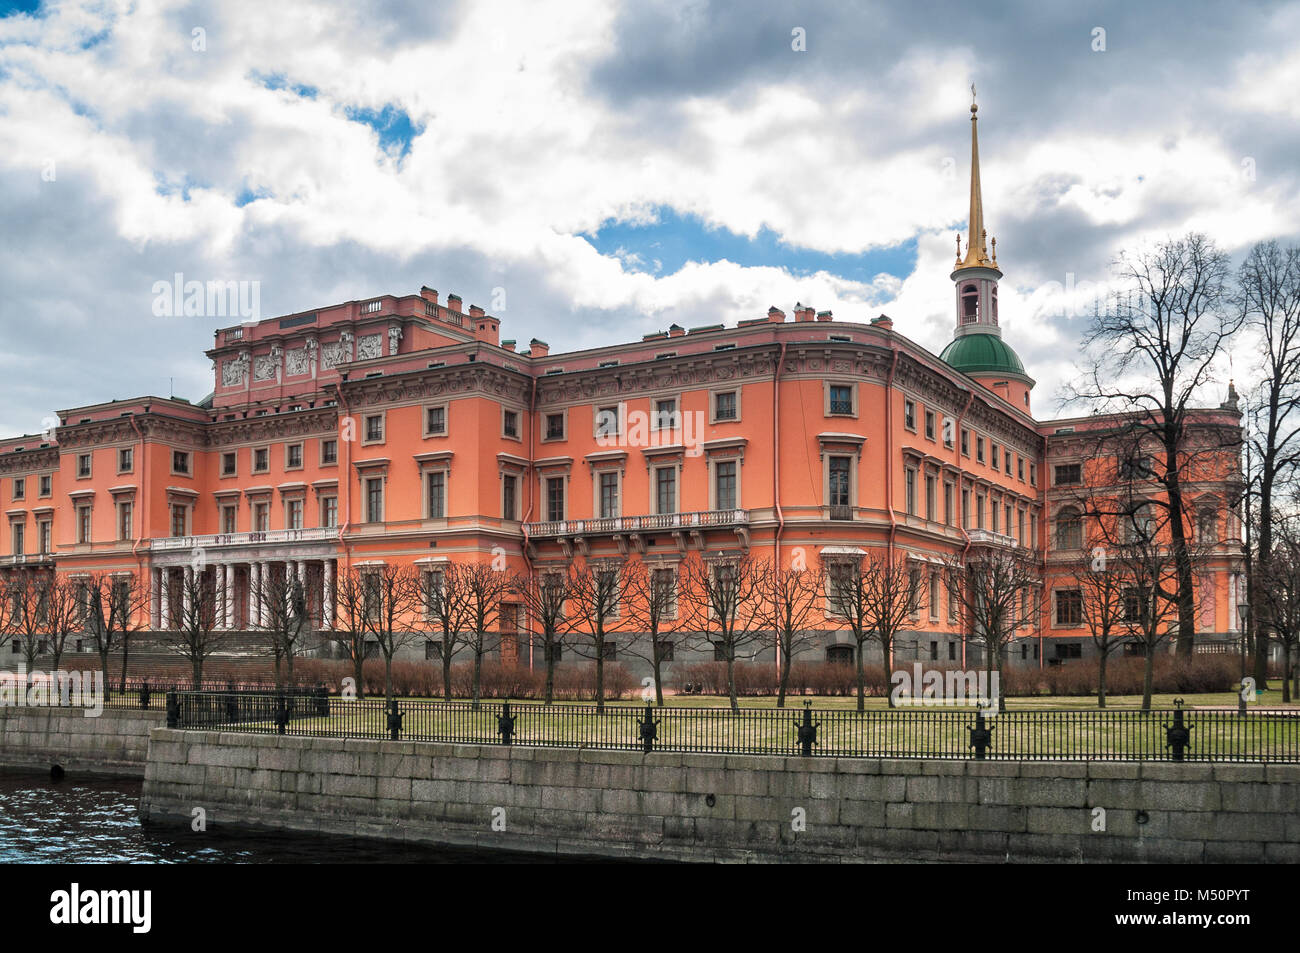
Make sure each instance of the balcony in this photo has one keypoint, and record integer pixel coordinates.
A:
(27, 559)
(265, 537)
(662, 522)
(984, 537)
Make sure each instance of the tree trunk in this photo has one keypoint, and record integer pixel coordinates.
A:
(785, 680)
(887, 660)
(659, 681)
(1101, 679)
(1286, 674)
(388, 678)
(103, 664)
(478, 672)
(731, 680)
(1182, 559)
(550, 671)
(1146, 677)
(600, 671)
(862, 680)
(446, 670)
(358, 668)
(125, 644)
(196, 671)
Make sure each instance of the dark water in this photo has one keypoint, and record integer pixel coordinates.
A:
(87, 820)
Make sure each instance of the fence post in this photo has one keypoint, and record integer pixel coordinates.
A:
(395, 722)
(807, 731)
(281, 713)
(1178, 736)
(173, 710)
(506, 724)
(981, 736)
(649, 729)
(144, 694)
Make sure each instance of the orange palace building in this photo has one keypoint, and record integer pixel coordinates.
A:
(401, 429)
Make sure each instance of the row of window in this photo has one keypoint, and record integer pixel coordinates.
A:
(999, 458)
(1000, 517)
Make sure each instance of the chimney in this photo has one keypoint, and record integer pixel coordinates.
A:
(884, 322)
(802, 314)
(538, 348)
(824, 315)
(509, 345)
(776, 315)
(453, 303)
(428, 294)
(675, 330)
(476, 312)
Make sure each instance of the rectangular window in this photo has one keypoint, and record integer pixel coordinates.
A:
(375, 500)
(965, 509)
(665, 414)
(178, 519)
(947, 503)
(180, 461)
(929, 425)
(18, 532)
(44, 536)
(909, 481)
(437, 485)
(329, 452)
(1069, 607)
(979, 449)
(724, 405)
(609, 496)
(726, 485)
(607, 421)
(293, 456)
(47, 485)
(993, 513)
(124, 521)
(665, 588)
(126, 460)
(228, 461)
(261, 460)
(993, 455)
(1020, 468)
(838, 478)
(909, 415)
(555, 499)
(1069, 474)
(1006, 462)
(293, 514)
(20, 488)
(666, 490)
(435, 421)
(261, 517)
(228, 519)
(934, 600)
(1033, 474)
(83, 465)
(509, 497)
(329, 511)
(965, 442)
(929, 498)
(841, 399)
(510, 423)
(979, 511)
(555, 426)
(374, 428)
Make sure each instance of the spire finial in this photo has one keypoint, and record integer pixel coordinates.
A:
(976, 247)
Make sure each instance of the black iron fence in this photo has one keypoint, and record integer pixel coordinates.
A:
(1098, 735)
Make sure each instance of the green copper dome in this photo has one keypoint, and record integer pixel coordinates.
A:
(982, 354)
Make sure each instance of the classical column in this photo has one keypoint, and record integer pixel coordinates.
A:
(165, 605)
(187, 594)
(227, 595)
(327, 595)
(255, 595)
(155, 598)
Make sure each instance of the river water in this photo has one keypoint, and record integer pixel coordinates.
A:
(87, 820)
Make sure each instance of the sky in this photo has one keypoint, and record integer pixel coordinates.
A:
(593, 171)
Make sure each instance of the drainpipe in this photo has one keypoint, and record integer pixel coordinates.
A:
(889, 455)
(528, 563)
(144, 509)
(345, 485)
(776, 474)
(961, 511)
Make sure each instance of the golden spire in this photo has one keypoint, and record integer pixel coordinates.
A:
(977, 253)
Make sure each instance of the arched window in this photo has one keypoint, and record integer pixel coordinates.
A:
(970, 304)
(1207, 523)
(993, 294)
(1069, 529)
(1139, 524)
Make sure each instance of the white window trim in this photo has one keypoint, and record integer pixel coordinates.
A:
(853, 397)
(425, 432)
(713, 404)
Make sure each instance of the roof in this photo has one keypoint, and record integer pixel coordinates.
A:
(982, 354)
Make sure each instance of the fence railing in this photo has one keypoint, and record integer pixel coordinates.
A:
(1112, 735)
(142, 692)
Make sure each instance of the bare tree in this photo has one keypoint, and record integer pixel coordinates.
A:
(114, 607)
(1103, 593)
(879, 596)
(1149, 569)
(282, 605)
(197, 638)
(999, 591)
(597, 591)
(787, 607)
(544, 596)
(445, 597)
(719, 594)
(1279, 588)
(651, 603)
(483, 584)
(29, 594)
(1153, 353)
(1268, 289)
(349, 631)
(65, 612)
(393, 596)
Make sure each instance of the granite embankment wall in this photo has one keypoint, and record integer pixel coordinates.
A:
(114, 742)
(726, 808)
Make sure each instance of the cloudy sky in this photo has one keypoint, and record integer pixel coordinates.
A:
(592, 170)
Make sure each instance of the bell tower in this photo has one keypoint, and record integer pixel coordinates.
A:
(975, 276)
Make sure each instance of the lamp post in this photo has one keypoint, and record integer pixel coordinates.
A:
(1243, 615)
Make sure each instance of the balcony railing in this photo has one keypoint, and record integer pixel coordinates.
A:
(313, 535)
(640, 524)
(984, 537)
(27, 559)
